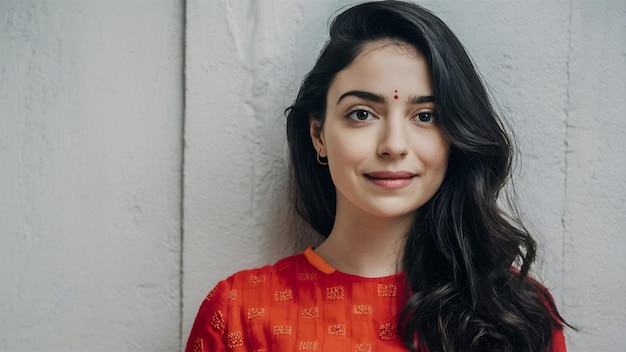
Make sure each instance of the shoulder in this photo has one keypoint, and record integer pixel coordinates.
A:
(546, 298)
(280, 273)
(240, 297)
(543, 294)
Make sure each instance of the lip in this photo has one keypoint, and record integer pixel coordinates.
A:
(390, 179)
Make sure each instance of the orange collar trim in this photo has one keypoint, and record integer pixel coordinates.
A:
(318, 262)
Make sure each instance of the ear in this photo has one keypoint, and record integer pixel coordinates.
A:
(317, 135)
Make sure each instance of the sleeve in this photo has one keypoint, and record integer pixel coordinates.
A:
(207, 333)
(558, 338)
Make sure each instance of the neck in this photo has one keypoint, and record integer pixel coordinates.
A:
(366, 246)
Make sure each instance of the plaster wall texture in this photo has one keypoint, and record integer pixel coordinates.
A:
(91, 111)
(556, 70)
(594, 275)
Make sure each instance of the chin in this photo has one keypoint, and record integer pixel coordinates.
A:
(388, 213)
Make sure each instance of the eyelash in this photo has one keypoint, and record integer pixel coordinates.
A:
(351, 112)
(431, 112)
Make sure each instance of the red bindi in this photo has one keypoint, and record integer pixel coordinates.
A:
(396, 96)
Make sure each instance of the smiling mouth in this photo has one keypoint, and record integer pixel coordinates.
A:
(391, 179)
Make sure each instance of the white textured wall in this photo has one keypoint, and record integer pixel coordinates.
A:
(594, 220)
(91, 97)
(91, 139)
(557, 70)
(245, 60)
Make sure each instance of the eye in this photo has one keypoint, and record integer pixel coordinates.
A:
(360, 115)
(426, 116)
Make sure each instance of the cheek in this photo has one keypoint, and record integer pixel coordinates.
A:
(434, 152)
(346, 148)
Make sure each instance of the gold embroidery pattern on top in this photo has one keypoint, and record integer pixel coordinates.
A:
(363, 347)
(363, 309)
(308, 346)
(232, 295)
(256, 313)
(387, 331)
(235, 339)
(313, 312)
(254, 279)
(307, 276)
(386, 290)
(285, 295)
(335, 292)
(210, 294)
(284, 266)
(337, 329)
(198, 345)
(282, 330)
(218, 322)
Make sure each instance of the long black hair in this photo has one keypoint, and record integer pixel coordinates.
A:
(466, 260)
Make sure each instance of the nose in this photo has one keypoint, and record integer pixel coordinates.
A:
(393, 140)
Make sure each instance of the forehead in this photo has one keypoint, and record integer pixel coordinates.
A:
(398, 47)
(382, 67)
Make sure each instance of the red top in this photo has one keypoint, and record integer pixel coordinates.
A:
(303, 304)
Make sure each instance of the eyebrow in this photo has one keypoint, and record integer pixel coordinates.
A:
(381, 99)
(373, 97)
(421, 99)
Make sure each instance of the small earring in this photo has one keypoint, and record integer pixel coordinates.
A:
(320, 161)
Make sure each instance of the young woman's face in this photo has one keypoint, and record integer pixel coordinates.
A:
(386, 153)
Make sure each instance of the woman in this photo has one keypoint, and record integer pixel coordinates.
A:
(397, 159)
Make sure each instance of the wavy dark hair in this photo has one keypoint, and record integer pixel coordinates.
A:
(466, 259)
